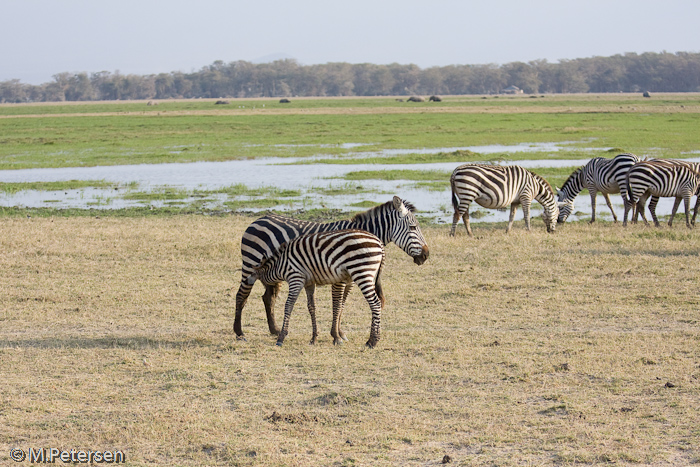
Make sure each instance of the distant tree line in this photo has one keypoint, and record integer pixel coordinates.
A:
(631, 72)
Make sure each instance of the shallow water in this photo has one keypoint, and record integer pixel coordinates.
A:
(270, 172)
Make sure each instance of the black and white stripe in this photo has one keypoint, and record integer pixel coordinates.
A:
(497, 187)
(335, 258)
(660, 178)
(638, 206)
(393, 221)
(607, 176)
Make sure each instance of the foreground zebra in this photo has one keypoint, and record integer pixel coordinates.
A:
(393, 221)
(661, 178)
(608, 176)
(497, 187)
(337, 258)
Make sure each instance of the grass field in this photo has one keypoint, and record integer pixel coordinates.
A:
(88, 134)
(576, 348)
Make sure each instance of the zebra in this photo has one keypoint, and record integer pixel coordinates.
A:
(638, 207)
(661, 178)
(608, 176)
(496, 187)
(337, 258)
(393, 221)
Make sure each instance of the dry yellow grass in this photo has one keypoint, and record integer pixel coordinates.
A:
(520, 349)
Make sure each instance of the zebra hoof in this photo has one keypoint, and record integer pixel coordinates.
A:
(278, 344)
(241, 338)
(337, 341)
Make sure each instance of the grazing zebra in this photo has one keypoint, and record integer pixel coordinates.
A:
(496, 187)
(608, 176)
(337, 258)
(392, 221)
(638, 208)
(662, 179)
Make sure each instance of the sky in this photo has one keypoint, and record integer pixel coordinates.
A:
(41, 38)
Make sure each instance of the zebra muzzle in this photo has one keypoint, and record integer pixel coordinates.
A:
(423, 256)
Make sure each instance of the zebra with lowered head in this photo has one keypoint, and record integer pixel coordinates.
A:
(607, 176)
(659, 178)
(497, 187)
(638, 206)
(393, 221)
(337, 258)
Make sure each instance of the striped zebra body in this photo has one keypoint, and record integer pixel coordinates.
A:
(607, 176)
(393, 221)
(335, 258)
(498, 187)
(662, 178)
(638, 207)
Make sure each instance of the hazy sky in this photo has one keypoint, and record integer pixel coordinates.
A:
(40, 38)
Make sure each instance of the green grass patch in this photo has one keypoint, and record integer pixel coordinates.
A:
(16, 187)
(430, 175)
(241, 189)
(161, 194)
(340, 190)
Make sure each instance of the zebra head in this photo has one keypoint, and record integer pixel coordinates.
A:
(566, 206)
(550, 215)
(266, 270)
(405, 231)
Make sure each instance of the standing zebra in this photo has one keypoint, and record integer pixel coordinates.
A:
(392, 221)
(638, 207)
(496, 187)
(609, 176)
(337, 258)
(662, 179)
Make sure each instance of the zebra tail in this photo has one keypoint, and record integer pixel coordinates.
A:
(455, 200)
(378, 284)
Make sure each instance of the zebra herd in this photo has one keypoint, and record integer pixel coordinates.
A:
(304, 254)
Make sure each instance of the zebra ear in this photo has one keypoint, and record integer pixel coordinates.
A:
(399, 206)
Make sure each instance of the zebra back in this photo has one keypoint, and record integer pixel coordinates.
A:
(392, 221)
(662, 178)
(324, 258)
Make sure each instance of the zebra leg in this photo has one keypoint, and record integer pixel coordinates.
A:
(337, 291)
(639, 208)
(686, 201)
(295, 287)
(311, 304)
(652, 209)
(375, 305)
(513, 208)
(241, 298)
(676, 203)
(269, 299)
(695, 211)
(455, 220)
(609, 203)
(594, 195)
(346, 291)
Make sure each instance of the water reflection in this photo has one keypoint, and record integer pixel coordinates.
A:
(312, 180)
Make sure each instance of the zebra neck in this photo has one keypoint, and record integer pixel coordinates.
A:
(571, 188)
(374, 225)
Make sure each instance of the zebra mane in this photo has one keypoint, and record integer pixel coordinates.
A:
(574, 175)
(541, 179)
(377, 211)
